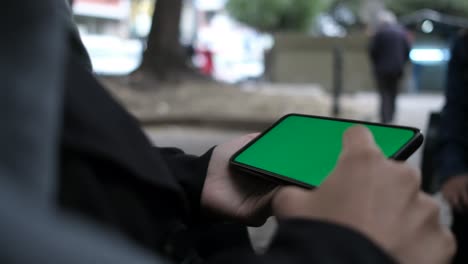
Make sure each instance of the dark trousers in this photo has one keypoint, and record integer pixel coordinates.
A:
(460, 229)
(388, 90)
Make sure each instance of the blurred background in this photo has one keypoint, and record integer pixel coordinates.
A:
(196, 72)
(235, 41)
(199, 72)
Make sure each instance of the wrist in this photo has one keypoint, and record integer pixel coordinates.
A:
(287, 205)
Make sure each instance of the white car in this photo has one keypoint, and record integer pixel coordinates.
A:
(112, 55)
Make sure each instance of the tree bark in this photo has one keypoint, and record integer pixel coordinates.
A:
(165, 59)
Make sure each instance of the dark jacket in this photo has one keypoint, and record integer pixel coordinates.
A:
(111, 174)
(453, 158)
(389, 51)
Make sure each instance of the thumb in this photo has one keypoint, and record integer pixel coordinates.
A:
(357, 138)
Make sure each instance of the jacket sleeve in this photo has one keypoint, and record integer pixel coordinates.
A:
(297, 241)
(304, 241)
(190, 173)
(454, 120)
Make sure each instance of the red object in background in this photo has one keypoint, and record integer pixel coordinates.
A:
(208, 65)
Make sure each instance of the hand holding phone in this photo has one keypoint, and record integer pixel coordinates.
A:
(304, 150)
(377, 197)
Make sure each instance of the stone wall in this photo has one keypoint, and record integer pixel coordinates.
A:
(299, 58)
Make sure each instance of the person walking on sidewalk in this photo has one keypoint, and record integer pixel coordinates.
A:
(389, 52)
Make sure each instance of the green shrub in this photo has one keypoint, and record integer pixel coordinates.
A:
(276, 15)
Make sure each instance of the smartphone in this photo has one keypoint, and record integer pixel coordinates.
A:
(303, 149)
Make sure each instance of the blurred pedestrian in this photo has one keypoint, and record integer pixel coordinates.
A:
(389, 52)
(453, 166)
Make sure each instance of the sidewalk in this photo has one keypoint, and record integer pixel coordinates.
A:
(234, 106)
(230, 106)
(255, 107)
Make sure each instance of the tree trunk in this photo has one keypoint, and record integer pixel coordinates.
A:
(165, 59)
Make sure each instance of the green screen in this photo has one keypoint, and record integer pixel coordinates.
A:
(306, 149)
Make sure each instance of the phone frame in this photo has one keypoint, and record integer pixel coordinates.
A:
(403, 154)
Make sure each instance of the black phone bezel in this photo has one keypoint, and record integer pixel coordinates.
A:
(403, 154)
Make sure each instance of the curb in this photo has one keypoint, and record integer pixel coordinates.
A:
(218, 123)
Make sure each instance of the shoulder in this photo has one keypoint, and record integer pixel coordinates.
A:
(74, 40)
(462, 38)
(463, 33)
(460, 52)
(461, 42)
